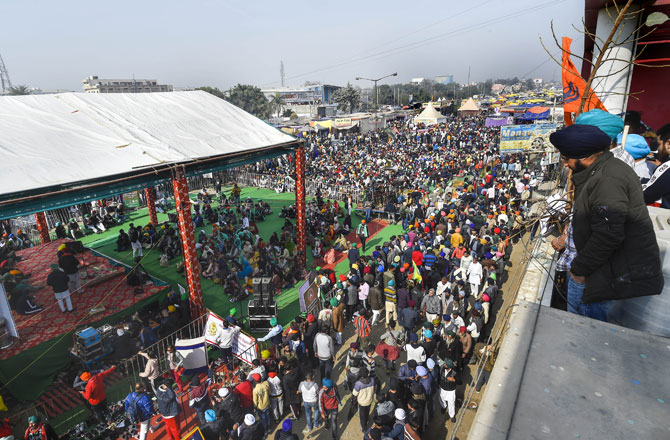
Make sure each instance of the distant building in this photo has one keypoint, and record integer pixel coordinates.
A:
(497, 88)
(321, 93)
(93, 84)
(444, 79)
(416, 80)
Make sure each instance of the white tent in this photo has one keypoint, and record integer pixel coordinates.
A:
(51, 140)
(430, 116)
(469, 106)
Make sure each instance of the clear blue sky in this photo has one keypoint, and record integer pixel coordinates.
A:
(55, 44)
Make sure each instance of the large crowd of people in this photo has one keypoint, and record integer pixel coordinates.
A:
(428, 293)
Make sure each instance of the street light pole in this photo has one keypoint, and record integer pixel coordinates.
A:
(358, 78)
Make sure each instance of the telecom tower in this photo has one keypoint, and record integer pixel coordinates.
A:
(4, 77)
(281, 72)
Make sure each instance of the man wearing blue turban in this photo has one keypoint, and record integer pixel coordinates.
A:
(612, 126)
(638, 148)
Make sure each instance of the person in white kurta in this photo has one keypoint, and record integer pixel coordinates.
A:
(475, 273)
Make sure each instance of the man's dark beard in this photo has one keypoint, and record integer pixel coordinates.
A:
(579, 166)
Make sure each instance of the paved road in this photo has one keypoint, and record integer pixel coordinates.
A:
(440, 426)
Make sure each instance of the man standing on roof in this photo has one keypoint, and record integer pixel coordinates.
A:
(617, 253)
(94, 393)
(363, 234)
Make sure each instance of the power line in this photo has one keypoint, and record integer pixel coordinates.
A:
(430, 40)
(362, 54)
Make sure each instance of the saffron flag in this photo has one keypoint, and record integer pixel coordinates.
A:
(574, 86)
(417, 274)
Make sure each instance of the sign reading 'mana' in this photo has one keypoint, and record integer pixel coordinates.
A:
(526, 138)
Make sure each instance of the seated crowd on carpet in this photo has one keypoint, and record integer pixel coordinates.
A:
(96, 217)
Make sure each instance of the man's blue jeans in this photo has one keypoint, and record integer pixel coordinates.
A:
(264, 415)
(312, 414)
(331, 421)
(596, 310)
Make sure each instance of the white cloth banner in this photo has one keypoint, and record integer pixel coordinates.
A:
(194, 353)
(6, 312)
(243, 344)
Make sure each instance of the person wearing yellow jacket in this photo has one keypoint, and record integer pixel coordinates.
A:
(261, 397)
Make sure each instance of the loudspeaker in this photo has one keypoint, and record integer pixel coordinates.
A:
(268, 289)
(260, 322)
(257, 284)
(258, 309)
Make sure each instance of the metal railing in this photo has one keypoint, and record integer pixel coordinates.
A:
(129, 368)
(136, 364)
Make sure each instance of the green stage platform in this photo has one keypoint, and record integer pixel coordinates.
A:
(214, 296)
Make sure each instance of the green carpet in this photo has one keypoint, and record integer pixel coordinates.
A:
(214, 297)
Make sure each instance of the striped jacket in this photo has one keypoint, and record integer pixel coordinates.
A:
(362, 327)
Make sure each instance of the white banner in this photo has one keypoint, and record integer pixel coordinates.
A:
(194, 354)
(243, 344)
(6, 312)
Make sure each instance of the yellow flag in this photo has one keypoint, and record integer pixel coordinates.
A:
(417, 274)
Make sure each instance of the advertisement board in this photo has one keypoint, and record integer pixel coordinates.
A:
(342, 122)
(196, 434)
(241, 343)
(131, 199)
(526, 138)
(308, 295)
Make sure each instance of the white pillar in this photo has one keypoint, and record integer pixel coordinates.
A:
(612, 88)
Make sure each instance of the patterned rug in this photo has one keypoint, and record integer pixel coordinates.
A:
(374, 226)
(104, 288)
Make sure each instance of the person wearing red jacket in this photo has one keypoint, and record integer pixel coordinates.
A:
(329, 403)
(245, 392)
(94, 393)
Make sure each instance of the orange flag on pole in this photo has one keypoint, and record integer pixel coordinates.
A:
(574, 86)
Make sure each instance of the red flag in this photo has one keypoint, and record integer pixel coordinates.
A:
(574, 86)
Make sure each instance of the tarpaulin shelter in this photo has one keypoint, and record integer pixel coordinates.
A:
(430, 116)
(535, 113)
(71, 148)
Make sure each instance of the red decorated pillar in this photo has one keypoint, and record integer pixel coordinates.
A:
(300, 205)
(42, 227)
(151, 204)
(191, 265)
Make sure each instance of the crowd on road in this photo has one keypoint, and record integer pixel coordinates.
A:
(429, 291)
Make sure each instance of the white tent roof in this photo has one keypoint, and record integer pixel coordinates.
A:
(49, 140)
(469, 105)
(430, 116)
